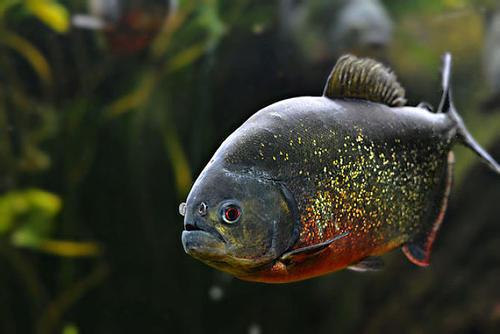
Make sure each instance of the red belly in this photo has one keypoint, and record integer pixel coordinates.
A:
(336, 257)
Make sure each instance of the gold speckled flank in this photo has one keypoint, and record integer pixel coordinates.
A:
(371, 190)
(376, 191)
(365, 189)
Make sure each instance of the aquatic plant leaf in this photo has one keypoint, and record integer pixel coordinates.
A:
(186, 57)
(7, 4)
(31, 211)
(51, 13)
(29, 52)
(29, 216)
(179, 161)
(163, 41)
(33, 159)
(70, 329)
(134, 99)
(210, 18)
(63, 248)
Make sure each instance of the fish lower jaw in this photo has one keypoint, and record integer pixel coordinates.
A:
(202, 245)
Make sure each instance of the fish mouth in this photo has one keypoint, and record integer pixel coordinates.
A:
(203, 242)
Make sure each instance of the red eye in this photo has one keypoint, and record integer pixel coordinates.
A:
(231, 214)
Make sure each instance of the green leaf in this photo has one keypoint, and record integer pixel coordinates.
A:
(28, 213)
(70, 329)
(29, 52)
(5, 5)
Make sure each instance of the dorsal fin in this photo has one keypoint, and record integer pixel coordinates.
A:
(364, 78)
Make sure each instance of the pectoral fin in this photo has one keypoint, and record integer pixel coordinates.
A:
(299, 254)
(370, 263)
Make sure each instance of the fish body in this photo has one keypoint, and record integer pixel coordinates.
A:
(318, 184)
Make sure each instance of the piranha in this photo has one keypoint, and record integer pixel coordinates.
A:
(312, 185)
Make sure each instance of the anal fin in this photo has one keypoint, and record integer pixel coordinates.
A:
(370, 263)
(419, 249)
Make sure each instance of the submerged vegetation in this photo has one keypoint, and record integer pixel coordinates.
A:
(100, 140)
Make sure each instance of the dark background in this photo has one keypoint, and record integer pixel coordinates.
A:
(102, 133)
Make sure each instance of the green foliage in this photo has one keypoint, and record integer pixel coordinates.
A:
(7, 4)
(58, 106)
(70, 329)
(30, 213)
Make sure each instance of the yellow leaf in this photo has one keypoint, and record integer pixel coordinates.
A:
(186, 57)
(70, 248)
(51, 13)
(30, 53)
(70, 329)
(29, 208)
(135, 99)
(180, 165)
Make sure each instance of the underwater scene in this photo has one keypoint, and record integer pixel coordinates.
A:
(216, 166)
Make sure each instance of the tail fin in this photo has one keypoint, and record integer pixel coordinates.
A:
(446, 106)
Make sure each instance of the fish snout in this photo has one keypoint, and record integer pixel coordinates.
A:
(196, 225)
(190, 225)
(201, 240)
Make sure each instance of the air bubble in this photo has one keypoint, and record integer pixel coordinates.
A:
(216, 293)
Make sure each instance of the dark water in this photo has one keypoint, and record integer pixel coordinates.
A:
(103, 130)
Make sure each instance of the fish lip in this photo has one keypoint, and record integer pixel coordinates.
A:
(202, 244)
(198, 225)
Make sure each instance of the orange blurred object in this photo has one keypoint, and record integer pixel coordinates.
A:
(129, 25)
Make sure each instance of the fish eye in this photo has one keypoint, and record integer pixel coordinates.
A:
(202, 209)
(182, 209)
(230, 213)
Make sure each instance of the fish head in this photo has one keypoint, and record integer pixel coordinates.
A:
(237, 222)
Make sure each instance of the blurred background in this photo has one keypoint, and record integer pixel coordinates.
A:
(109, 110)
